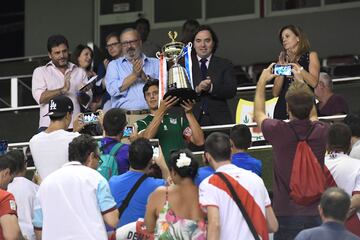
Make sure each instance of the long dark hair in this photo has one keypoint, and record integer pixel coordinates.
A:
(77, 52)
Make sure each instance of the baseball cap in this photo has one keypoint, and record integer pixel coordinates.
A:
(59, 106)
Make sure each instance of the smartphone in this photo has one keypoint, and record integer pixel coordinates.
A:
(128, 131)
(282, 70)
(91, 117)
(155, 146)
(3, 147)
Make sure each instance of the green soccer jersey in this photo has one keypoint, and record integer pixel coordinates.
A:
(172, 132)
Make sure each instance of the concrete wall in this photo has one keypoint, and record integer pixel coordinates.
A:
(244, 42)
(72, 18)
(251, 41)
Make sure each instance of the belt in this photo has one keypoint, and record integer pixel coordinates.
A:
(137, 112)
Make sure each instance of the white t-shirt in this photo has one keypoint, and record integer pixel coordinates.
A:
(252, 192)
(50, 150)
(70, 203)
(355, 150)
(24, 192)
(345, 171)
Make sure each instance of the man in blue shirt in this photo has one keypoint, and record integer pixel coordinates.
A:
(140, 157)
(126, 76)
(333, 208)
(240, 139)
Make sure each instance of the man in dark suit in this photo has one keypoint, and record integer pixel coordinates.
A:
(213, 78)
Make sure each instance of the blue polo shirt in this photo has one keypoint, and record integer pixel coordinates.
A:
(121, 185)
(241, 160)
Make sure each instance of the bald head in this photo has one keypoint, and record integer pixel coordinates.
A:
(335, 204)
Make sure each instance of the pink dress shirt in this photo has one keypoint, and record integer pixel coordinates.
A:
(49, 77)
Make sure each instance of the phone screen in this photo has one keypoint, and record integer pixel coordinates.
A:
(155, 145)
(282, 70)
(91, 117)
(3, 147)
(128, 131)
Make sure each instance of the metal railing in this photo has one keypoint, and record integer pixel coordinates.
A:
(13, 105)
(211, 128)
(29, 58)
(15, 80)
(207, 128)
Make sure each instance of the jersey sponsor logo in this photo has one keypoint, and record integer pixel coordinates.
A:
(173, 120)
(12, 205)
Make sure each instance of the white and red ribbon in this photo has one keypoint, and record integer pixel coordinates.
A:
(162, 77)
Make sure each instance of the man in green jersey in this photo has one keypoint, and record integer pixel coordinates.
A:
(173, 132)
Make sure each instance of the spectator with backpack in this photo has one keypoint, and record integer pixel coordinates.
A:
(114, 154)
(292, 142)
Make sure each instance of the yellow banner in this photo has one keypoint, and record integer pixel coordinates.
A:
(245, 115)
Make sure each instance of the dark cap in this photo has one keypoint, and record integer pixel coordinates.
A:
(59, 106)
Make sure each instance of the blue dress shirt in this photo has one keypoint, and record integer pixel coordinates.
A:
(133, 97)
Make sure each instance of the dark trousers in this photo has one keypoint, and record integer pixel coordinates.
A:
(290, 226)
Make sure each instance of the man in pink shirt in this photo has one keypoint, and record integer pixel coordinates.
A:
(57, 77)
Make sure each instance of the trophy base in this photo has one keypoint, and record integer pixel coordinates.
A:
(182, 93)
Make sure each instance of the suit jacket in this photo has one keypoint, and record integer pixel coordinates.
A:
(222, 75)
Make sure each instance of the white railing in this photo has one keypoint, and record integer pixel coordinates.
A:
(29, 58)
(14, 93)
(15, 80)
(210, 128)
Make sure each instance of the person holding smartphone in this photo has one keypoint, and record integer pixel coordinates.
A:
(305, 63)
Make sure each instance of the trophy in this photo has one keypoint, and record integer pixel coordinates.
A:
(178, 82)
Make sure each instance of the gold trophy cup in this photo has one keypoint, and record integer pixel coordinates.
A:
(178, 83)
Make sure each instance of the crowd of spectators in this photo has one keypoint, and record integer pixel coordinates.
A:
(105, 189)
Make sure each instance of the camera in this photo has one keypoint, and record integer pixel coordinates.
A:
(282, 70)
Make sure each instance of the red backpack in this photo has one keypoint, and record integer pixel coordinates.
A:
(307, 180)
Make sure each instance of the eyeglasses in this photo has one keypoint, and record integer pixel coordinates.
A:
(129, 42)
(112, 45)
(97, 156)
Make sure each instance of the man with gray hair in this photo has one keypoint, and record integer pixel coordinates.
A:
(329, 103)
(126, 76)
(334, 205)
